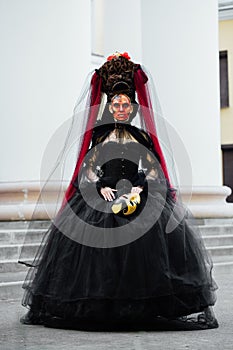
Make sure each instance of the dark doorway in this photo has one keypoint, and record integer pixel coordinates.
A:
(228, 168)
(224, 85)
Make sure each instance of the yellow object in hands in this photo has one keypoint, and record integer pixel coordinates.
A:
(126, 203)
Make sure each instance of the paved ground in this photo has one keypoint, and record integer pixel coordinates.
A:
(14, 336)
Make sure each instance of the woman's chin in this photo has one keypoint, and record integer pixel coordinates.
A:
(122, 120)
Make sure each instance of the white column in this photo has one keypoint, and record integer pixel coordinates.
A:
(122, 27)
(180, 48)
(45, 57)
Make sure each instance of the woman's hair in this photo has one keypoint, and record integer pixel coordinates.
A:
(118, 77)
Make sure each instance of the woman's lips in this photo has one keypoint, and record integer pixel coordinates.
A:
(122, 116)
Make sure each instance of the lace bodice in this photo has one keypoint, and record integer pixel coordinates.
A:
(120, 158)
(120, 161)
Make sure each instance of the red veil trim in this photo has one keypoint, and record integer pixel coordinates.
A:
(94, 104)
(140, 79)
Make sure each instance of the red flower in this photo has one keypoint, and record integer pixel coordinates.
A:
(125, 54)
(110, 57)
(118, 54)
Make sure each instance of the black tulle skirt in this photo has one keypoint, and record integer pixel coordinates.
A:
(155, 274)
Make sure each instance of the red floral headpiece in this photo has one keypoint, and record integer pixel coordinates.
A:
(118, 54)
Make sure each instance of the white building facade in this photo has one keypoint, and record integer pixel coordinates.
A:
(50, 46)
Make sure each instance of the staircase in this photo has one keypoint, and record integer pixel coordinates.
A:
(218, 238)
(12, 274)
(217, 235)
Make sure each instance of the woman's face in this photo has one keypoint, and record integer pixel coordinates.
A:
(121, 108)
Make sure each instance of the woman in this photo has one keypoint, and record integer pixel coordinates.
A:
(120, 253)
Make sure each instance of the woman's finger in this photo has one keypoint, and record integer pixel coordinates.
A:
(136, 189)
(107, 194)
(102, 191)
(112, 194)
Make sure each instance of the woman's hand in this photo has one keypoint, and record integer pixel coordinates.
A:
(107, 193)
(136, 189)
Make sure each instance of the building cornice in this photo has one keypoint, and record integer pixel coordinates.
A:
(225, 10)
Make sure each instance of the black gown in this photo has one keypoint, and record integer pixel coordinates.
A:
(155, 274)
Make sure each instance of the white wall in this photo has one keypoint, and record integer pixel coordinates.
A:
(45, 57)
(122, 28)
(180, 47)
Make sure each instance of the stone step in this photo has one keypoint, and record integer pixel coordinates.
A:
(13, 236)
(13, 276)
(214, 221)
(24, 224)
(216, 230)
(12, 251)
(18, 236)
(222, 259)
(225, 250)
(218, 240)
(12, 265)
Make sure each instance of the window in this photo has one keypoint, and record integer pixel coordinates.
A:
(223, 69)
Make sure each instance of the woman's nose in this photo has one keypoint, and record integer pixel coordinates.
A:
(121, 107)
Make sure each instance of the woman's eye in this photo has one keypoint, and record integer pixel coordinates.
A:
(125, 105)
(116, 105)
